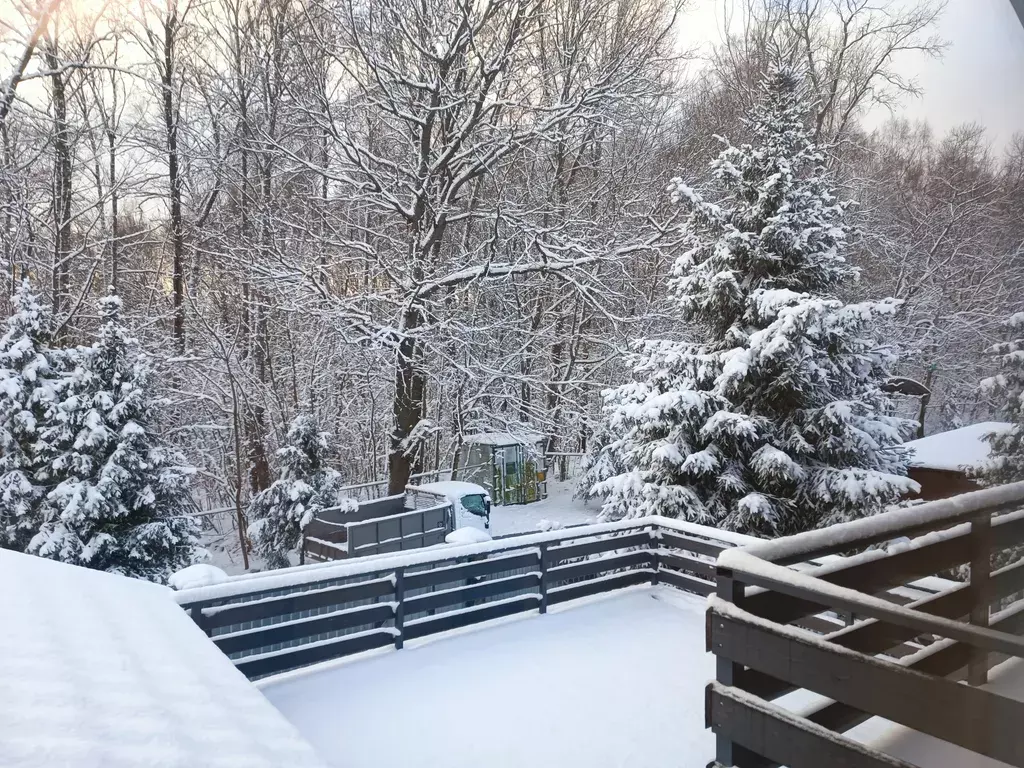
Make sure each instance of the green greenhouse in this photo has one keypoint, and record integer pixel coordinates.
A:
(510, 466)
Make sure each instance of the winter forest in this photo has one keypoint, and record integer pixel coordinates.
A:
(249, 243)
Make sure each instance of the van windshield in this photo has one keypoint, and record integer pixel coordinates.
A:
(475, 505)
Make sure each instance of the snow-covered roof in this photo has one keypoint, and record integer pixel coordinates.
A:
(504, 438)
(956, 449)
(454, 489)
(103, 671)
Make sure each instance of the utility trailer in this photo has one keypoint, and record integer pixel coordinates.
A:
(411, 520)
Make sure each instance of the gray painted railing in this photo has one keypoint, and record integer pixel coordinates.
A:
(902, 661)
(271, 624)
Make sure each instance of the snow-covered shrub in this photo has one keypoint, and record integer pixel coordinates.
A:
(305, 486)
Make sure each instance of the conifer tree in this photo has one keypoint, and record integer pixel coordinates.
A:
(29, 373)
(121, 500)
(775, 422)
(602, 462)
(1006, 462)
(305, 486)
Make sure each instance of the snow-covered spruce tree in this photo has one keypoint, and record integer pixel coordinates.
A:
(306, 484)
(29, 371)
(121, 499)
(1006, 462)
(775, 422)
(602, 461)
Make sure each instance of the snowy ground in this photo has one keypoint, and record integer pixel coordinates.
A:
(609, 682)
(559, 509)
(616, 681)
(219, 537)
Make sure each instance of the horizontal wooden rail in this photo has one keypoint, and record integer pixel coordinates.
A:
(869, 576)
(677, 562)
(374, 613)
(600, 585)
(472, 570)
(673, 540)
(298, 602)
(948, 659)
(272, 624)
(910, 522)
(561, 554)
(468, 595)
(972, 718)
(935, 632)
(599, 565)
(798, 585)
(782, 736)
(313, 653)
(466, 617)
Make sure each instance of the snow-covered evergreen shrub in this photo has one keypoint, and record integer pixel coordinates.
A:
(305, 486)
(121, 499)
(1006, 462)
(775, 423)
(29, 373)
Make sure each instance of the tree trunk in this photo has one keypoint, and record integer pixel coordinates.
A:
(174, 178)
(410, 384)
(112, 153)
(923, 407)
(61, 183)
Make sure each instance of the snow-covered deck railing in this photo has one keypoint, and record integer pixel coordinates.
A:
(894, 659)
(294, 617)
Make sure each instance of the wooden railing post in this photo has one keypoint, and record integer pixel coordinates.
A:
(544, 577)
(399, 608)
(655, 557)
(981, 561)
(726, 672)
(196, 612)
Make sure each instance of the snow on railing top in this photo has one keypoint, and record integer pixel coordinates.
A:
(296, 576)
(763, 573)
(888, 525)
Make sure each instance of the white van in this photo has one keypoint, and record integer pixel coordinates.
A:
(471, 502)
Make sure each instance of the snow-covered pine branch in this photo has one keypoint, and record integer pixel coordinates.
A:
(1006, 388)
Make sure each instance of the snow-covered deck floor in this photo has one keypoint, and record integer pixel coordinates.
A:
(616, 681)
(1007, 680)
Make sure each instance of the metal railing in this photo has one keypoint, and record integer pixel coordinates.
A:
(894, 659)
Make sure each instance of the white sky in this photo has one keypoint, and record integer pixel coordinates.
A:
(980, 78)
